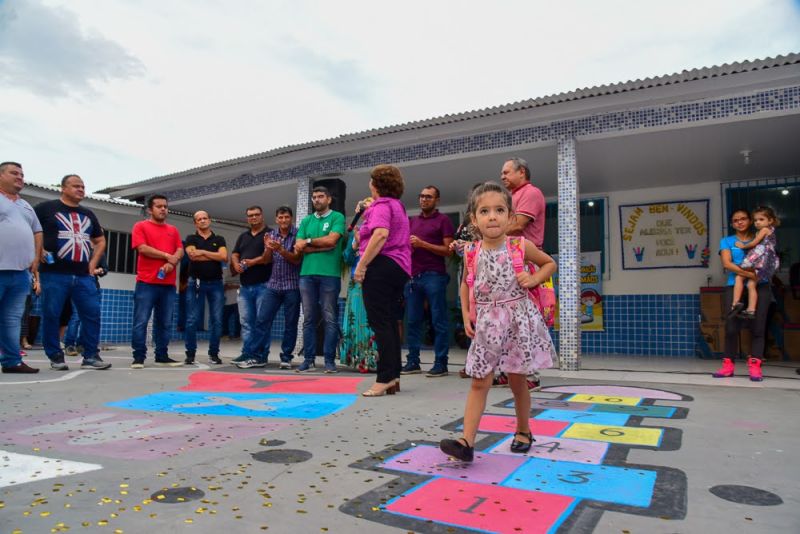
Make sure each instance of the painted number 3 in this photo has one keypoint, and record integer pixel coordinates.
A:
(576, 477)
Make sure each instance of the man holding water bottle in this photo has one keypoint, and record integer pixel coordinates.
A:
(159, 250)
(250, 263)
(74, 242)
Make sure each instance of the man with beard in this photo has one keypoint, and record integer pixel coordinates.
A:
(159, 250)
(318, 239)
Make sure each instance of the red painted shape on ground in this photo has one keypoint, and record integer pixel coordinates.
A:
(505, 424)
(483, 506)
(262, 383)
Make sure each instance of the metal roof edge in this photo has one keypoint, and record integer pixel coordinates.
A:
(684, 76)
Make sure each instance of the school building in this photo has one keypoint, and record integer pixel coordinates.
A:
(640, 178)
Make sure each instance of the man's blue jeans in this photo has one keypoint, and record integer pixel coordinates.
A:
(251, 314)
(57, 289)
(196, 292)
(14, 288)
(317, 292)
(158, 299)
(290, 298)
(73, 329)
(433, 287)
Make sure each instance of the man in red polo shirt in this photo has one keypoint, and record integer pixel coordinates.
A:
(528, 204)
(527, 201)
(159, 250)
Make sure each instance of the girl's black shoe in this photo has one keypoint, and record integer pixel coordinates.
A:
(735, 309)
(457, 448)
(521, 446)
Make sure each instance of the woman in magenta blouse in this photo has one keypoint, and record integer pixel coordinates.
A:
(384, 268)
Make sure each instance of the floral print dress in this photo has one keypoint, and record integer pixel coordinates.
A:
(763, 258)
(510, 335)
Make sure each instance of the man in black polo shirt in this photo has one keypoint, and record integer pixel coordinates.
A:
(250, 263)
(206, 252)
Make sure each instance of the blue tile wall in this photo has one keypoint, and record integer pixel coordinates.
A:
(642, 325)
(646, 325)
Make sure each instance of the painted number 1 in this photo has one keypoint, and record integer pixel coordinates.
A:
(478, 501)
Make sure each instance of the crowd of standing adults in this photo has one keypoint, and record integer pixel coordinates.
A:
(276, 268)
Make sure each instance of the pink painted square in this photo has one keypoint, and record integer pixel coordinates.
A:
(129, 436)
(484, 507)
(429, 460)
(506, 424)
(261, 383)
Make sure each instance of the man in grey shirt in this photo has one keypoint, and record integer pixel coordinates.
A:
(20, 245)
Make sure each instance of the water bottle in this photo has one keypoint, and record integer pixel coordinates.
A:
(161, 274)
(243, 266)
(48, 257)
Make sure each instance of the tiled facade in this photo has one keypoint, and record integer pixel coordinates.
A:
(686, 113)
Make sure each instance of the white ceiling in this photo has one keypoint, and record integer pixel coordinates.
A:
(638, 160)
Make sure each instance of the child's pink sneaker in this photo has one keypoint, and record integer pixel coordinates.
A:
(726, 370)
(754, 366)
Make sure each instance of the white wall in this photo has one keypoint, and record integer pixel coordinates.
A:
(663, 281)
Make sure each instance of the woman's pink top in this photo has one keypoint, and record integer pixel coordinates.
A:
(389, 213)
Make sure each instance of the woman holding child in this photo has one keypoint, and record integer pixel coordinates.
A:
(734, 249)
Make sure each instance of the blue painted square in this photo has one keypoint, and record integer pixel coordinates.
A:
(611, 419)
(293, 406)
(607, 483)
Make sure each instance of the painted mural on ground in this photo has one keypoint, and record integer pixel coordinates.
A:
(576, 470)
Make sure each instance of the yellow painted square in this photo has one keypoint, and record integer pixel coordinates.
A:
(629, 435)
(605, 399)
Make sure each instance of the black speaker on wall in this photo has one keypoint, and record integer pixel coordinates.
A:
(338, 191)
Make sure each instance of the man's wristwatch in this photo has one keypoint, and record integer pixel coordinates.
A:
(308, 241)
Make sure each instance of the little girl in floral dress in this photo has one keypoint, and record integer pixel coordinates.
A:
(508, 332)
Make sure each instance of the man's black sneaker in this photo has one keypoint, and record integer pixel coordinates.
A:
(436, 372)
(168, 362)
(411, 369)
(214, 359)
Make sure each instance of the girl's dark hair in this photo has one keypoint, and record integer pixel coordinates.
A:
(482, 189)
(770, 213)
(387, 181)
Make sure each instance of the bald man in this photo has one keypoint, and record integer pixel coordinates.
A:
(207, 253)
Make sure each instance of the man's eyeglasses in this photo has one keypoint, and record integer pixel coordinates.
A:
(426, 197)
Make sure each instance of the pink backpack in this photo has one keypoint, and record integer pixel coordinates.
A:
(543, 295)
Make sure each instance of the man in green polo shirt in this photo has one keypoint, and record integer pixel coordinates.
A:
(318, 239)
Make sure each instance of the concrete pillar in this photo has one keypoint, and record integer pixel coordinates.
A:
(300, 213)
(303, 198)
(569, 257)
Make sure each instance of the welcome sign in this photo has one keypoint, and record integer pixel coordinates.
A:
(665, 235)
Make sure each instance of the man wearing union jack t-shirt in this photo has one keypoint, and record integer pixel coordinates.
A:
(74, 239)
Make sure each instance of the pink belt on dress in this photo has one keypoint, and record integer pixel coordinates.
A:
(496, 302)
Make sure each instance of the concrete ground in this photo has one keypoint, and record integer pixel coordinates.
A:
(651, 445)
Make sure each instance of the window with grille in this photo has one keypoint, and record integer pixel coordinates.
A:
(120, 256)
(592, 226)
(780, 194)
